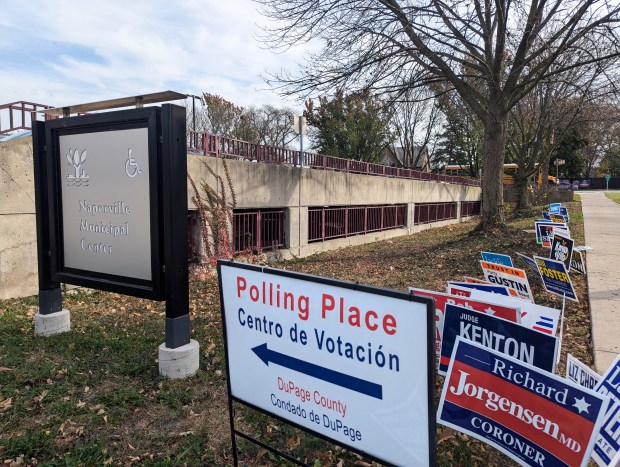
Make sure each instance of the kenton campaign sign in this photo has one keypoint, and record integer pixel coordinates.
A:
(522, 343)
(349, 362)
(607, 448)
(531, 415)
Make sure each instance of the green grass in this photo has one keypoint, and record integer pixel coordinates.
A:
(614, 197)
(94, 395)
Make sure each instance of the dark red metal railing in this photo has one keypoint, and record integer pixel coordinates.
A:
(20, 115)
(433, 212)
(220, 146)
(470, 208)
(325, 223)
(258, 229)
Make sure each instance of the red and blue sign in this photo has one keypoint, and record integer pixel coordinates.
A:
(525, 344)
(532, 416)
(607, 447)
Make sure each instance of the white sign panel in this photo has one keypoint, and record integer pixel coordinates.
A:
(352, 365)
(106, 225)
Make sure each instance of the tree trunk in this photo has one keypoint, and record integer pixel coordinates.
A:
(522, 202)
(493, 152)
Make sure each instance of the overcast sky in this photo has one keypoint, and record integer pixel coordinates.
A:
(65, 52)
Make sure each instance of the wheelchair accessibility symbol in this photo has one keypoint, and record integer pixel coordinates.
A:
(131, 166)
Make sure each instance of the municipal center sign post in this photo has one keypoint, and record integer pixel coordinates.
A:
(111, 203)
(350, 363)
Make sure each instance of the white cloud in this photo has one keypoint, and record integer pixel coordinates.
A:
(67, 52)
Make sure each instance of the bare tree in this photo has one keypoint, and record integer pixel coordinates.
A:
(493, 53)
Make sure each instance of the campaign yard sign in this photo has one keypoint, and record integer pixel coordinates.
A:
(562, 249)
(512, 278)
(512, 339)
(352, 363)
(545, 229)
(558, 218)
(537, 317)
(607, 448)
(461, 288)
(497, 258)
(577, 263)
(532, 416)
(579, 373)
(555, 278)
(441, 300)
(530, 263)
(554, 208)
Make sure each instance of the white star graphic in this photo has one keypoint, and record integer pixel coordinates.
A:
(581, 405)
(490, 311)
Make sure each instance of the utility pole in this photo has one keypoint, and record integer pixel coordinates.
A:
(558, 163)
(300, 128)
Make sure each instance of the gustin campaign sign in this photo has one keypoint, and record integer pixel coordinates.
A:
(512, 278)
(532, 416)
(525, 344)
(555, 278)
(607, 448)
(351, 363)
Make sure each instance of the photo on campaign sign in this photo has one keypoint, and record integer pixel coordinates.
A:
(544, 231)
(512, 278)
(607, 448)
(555, 278)
(513, 339)
(580, 373)
(349, 362)
(441, 300)
(562, 249)
(531, 415)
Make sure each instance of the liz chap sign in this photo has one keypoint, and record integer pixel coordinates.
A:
(350, 363)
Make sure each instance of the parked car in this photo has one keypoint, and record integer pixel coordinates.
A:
(576, 185)
(564, 184)
(584, 184)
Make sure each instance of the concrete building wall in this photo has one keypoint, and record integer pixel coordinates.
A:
(255, 185)
(18, 247)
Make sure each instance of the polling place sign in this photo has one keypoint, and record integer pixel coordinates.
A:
(607, 448)
(510, 338)
(532, 416)
(351, 363)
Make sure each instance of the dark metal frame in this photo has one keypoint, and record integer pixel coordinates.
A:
(430, 359)
(168, 213)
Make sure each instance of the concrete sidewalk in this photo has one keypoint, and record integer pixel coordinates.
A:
(602, 232)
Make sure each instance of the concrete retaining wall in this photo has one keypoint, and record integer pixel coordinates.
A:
(256, 186)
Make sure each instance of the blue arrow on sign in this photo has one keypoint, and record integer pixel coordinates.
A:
(316, 371)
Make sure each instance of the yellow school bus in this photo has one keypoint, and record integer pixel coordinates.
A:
(509, 171)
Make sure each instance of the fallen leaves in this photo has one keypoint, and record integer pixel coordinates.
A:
(6, 404)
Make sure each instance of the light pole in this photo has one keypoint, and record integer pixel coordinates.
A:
(558, 163)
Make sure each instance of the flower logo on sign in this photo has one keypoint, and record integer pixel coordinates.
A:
(76, 160)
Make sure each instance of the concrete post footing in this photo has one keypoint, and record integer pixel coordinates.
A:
(179, 363)
(52, 323)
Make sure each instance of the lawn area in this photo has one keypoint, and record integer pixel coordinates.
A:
(93, 396)
(614, 197)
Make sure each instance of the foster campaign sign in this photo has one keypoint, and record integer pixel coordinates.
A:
(351, 363)
(532, 416)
